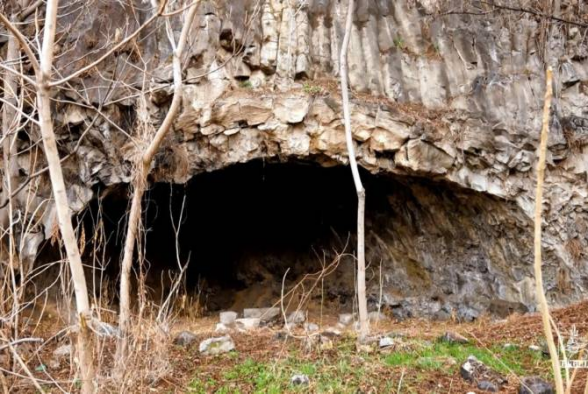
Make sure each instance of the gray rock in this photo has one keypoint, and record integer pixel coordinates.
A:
(486, 385)
(402, 313)
(219, 345)
(346, 319)
(221, 328)
(264, 314)
(385, 342)
(467, 313)
(300, 380)
(228, 318)
(185, 338)
(253, 313)
(291, 109)
(473, 370)
(535, 385)
(311, 327)
(247, 324)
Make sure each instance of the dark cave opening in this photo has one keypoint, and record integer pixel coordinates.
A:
(242, 228)
(430, 247)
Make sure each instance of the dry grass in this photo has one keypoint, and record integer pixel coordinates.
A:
(263, 363)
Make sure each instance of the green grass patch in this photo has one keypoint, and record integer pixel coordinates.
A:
(345, 371)
(449, 356)
(339, 376)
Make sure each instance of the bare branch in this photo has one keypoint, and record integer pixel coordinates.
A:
(17, 73)
(29, 10)
(498, 6)
(22, 41)
(532, 12)
(113, 49)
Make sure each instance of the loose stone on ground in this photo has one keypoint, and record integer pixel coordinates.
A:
(218, 345)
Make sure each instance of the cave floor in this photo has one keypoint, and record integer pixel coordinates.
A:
(418, 362)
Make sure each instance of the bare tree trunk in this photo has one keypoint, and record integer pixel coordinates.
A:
(361, 297)
(127, 263)
(140, 182)
(60, 196)
(8, 151)
(541, 299)
(9, 117)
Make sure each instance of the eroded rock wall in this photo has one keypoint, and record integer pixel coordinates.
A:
(454, 97)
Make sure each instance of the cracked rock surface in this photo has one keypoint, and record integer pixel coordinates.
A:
(451, 99)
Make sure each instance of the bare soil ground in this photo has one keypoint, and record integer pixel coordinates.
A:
(265, 361)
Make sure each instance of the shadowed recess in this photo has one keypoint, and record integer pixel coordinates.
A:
(241, 229)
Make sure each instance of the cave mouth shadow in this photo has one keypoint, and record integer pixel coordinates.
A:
(244, 227)
(432, 248)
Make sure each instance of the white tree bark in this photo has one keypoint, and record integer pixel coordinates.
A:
(540, 293)
(9, 119)
(60, 196)
(9, 116)
(361, 297)
(140, 183)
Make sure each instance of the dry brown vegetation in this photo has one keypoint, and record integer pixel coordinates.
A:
(263, 363)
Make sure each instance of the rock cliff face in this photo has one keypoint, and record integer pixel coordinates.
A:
(447, 92)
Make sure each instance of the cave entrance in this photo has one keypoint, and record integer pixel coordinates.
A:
(242, 228)
(432, 249)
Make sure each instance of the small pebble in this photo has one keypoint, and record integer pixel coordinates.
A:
(300, 380)
(386, 342)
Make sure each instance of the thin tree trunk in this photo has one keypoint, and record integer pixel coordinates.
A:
(9, 132)
(140, 183)
(9, 117)
(541, 299)
(60, 196)
(361, 297)
(127, 263)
